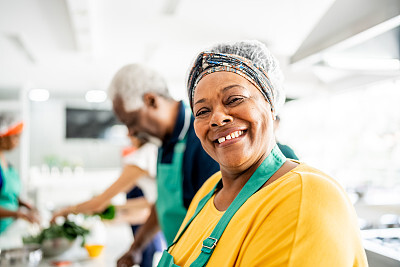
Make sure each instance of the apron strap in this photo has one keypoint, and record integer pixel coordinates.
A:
(170, 207)
(199, 207)
(270, 165)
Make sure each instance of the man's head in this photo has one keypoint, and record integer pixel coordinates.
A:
(141, 101)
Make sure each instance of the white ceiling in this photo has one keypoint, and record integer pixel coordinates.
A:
(72, 46)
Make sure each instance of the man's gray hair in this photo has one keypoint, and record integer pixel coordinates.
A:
(132, 81)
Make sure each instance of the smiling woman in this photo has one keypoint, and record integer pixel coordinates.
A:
(231, 116)
(261, 209)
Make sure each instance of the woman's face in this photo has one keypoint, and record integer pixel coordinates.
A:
(9, 142)
(232, 120)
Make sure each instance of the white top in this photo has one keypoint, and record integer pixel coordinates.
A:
(145, 158)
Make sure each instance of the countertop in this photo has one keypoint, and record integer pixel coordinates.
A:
(119, 239)
(382, 247)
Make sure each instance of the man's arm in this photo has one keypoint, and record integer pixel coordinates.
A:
(128, 178)
(142, 238)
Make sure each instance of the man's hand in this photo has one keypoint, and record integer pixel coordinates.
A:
(143, 237)
(130, 258)
(63, 212)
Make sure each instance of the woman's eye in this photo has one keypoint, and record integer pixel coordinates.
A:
(234, 100)
(201, 112)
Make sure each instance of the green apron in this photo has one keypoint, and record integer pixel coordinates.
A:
(9, 193)
(169, 205)
(269, 166)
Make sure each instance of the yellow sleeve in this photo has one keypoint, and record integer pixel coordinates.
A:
(313, 226)
(328, 232)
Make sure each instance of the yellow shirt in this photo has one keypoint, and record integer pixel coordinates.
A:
(302, 219)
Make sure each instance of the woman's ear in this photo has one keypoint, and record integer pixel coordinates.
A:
(151, 100)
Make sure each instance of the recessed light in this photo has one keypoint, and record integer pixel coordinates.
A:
(39, 95)
(95, 96)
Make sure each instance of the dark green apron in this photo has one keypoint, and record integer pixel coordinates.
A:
(269, 166)
(9, 193)
(170, 208)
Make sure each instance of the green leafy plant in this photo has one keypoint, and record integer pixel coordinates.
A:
(69, 230)
(108, 213)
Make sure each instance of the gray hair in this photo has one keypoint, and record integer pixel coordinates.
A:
(260, 56)
(132, 81)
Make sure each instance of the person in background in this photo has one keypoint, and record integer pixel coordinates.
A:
(141, 100)
(261, 209)
(140, 161)
(158, 242)
(286, 150)
(11, 206)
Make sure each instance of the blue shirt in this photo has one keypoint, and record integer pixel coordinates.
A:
(1, 176)
(194, 158)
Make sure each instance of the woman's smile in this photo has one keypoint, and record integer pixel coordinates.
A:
(230, 138)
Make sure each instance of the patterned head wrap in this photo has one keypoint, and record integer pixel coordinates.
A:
(208, 62)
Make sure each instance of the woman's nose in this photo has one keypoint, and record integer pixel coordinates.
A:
(220, 118)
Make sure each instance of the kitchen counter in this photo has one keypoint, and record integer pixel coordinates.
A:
(119, 239)
(382, 247)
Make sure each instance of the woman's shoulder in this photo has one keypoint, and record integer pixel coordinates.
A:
(309, 184)
(310, 176)
(318, 188)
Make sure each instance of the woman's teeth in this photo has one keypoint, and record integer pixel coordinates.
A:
(230, 136)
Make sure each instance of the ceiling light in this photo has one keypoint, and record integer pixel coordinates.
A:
(39, 95)
(95, 96)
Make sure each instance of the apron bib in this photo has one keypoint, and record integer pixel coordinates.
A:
(169, 205)
(269, 166)
(9, 193)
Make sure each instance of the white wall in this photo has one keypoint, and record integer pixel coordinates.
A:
(353, 135)
(47, 137)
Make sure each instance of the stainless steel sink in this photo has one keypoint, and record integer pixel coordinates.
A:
(27, 256)
(382, 247)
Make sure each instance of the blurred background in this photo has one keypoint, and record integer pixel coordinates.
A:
(340, 59)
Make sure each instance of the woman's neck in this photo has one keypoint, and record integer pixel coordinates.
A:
(232, 183)
(238, 177)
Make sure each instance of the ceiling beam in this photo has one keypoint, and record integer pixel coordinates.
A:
(347, 23)
(81, 18)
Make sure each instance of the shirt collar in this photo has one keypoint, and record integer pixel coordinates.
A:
(180, 120)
